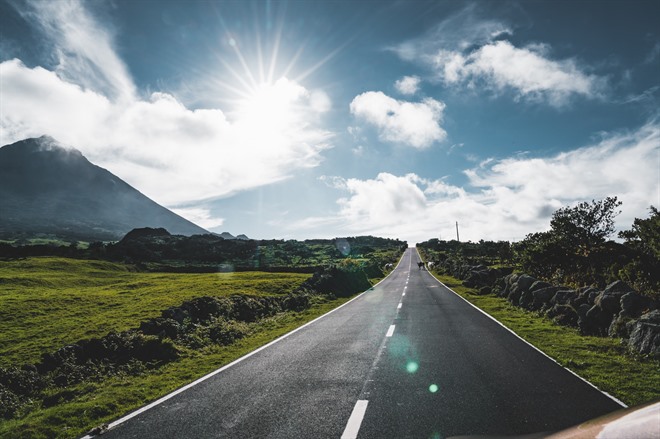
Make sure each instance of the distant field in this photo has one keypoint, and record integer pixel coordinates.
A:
(46, 303)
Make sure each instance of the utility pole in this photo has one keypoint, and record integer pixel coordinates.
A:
(457, 238)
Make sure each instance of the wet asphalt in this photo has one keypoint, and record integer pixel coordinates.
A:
(428, 364)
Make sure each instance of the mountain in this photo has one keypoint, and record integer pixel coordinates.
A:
(48, 189)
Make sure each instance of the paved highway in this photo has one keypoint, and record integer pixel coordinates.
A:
(408, 358)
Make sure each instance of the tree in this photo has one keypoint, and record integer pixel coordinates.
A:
(645, 234)
(586, 225)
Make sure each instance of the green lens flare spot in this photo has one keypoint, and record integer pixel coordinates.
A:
(412, 367)
(433, 388)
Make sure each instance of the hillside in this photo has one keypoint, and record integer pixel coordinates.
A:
(48, 189)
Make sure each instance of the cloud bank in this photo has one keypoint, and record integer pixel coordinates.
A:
(469, 52)
(504, 199)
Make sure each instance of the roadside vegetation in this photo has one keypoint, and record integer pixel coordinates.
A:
(590, 303)
(83, 341)
(603, 361)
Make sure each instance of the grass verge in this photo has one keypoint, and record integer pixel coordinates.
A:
(87, 405)
(46, 303)
(603, 361)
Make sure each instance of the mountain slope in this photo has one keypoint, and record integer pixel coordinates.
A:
(45, 188)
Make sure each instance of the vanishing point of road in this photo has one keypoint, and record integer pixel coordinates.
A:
(406, 359)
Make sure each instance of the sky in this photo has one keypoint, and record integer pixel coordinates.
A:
(320, 119)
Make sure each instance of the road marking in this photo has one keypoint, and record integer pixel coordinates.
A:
(528, 343)
(354, 422)
(400, 305)
(161, 400)
(390, 331)
(404, 293)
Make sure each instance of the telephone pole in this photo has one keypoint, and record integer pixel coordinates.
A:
(457, 238)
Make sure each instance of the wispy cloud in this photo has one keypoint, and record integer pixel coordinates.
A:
(504, 199)
(415, 124)
(465, 51)
(84, 48)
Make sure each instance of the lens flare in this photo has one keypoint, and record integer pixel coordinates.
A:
(412, 367)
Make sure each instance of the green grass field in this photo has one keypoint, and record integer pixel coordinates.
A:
(603, 361)
(48, 302)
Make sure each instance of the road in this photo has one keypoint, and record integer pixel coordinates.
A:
(408, 358)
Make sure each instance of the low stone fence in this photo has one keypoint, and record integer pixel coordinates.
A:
(616, 311)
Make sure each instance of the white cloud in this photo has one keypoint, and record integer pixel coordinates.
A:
(504, 199)
(526, 71)
(83, 48)
(408, 85)
(169, 152)
(464, 50)
(415, 124)
(201, 216)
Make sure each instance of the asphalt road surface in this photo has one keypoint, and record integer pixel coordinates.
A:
(406, 359)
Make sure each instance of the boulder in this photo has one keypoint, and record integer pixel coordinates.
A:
(564, 297)
(596, 321)
(620, 326)
(483, 291)
(633, 304)
(541, 298)
(609, 301)
(582, 310)
(538, 285)
(563, 315)
(524, 282)
(645, 334)
(535, 300)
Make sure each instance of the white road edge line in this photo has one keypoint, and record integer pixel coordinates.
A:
(355, 421)
(613, 398)
(238, 360)
(390, 331)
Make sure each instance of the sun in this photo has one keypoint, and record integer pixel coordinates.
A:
(270, 105)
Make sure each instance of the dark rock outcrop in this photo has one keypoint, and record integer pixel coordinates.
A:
(645, 334)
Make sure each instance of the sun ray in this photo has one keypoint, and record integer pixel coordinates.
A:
(320, 64)
(246, 69)
(293, 61)
(276, 47)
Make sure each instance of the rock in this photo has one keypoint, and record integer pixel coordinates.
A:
(633, 304)
(563, 315)
(591, 296)
(520, 287)
(524, 282)
(609, 301)
(541, 298)
(483, 291)
(620, 327)
(596, 321)
(618, 286)
(538, 285)
(564, 297)
(645, 334)
(582, 310)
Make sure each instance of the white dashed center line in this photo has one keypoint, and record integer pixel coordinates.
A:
(390, 331)
(400, 305)
(354, 422)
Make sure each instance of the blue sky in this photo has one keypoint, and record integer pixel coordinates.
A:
(306, 119)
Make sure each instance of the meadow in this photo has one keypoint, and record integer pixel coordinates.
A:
(46, 303)
(49, 302)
